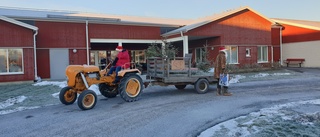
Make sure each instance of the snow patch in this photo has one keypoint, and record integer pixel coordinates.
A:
(253, 122)
(16, 110)
(12, 101)
(61, 84)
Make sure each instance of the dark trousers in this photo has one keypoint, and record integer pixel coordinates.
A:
(116, 69)
(219, 86)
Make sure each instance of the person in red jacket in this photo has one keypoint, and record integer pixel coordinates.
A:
(121, 61)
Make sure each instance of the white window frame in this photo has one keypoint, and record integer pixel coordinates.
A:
(261, 48)
(8, 63)
(248, 52)
(230, 55)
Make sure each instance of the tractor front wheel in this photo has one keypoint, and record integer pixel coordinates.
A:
(87, 99)
(130, 87)
(67, 96)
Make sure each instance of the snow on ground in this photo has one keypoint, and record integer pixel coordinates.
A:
(11, 101)
(268, 118)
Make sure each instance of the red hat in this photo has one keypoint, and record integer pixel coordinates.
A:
(222, 49)
(119, 48)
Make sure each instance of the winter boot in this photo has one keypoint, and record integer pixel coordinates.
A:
(218, 91)
(226, 93)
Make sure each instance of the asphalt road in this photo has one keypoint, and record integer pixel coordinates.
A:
(162, 111)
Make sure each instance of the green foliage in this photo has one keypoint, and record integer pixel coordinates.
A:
(154, 50)
(168, 51)
(205, 65)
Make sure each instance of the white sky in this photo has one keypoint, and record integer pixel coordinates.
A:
(178, 9)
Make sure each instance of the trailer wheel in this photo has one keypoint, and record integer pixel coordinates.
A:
(108, 91)
(130, 87)
(87, 99)
(67, 96)
(180, 87)
(201, 86)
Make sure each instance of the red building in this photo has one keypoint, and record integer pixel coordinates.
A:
(64, 38)
(17, 46)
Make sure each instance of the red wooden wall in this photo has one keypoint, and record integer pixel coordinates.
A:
(28, 62)
(14, 36)
(110, 31)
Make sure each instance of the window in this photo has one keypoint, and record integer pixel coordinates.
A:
(263, 54)
(232, 54)
(199, 55)
(11, 61)
(248, 52)
(138, 56)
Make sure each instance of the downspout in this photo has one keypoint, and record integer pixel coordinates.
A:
(272, 56)
(87, 42)
(36, 78)
(281, 63)
(184, 41)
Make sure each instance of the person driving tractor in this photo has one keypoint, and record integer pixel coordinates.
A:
(121, 61)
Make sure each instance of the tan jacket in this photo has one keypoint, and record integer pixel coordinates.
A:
(219, 64)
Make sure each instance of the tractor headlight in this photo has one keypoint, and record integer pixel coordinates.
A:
(92, 75)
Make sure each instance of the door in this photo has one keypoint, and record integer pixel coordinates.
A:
(59, 60)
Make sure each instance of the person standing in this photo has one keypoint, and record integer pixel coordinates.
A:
(220, 68)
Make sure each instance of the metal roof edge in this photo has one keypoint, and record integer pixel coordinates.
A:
(296, 24)
(19, 23)
(74, 20)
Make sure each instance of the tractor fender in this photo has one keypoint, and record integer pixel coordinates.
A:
(122, 73)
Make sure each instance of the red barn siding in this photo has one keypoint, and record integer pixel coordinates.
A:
(275, 35)
(78, 58)
(28, 62)
(109, 31)
(43, 63)
(61, 35)
(297, 34)
(241, 28)
(242, 59)
(12, 35)
(276, 54)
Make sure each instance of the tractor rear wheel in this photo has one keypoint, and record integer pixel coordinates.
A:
(202, 86)
(180, 87)
(87, 99)
(130, 87)
(67, 96)
(108, 91)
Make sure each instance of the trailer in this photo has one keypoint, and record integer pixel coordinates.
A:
(177, 72)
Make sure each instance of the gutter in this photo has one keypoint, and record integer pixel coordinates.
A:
(281, 58)
(87, 44)
(36, 78)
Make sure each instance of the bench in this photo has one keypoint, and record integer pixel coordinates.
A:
(294, 61)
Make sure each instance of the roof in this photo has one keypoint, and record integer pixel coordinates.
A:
(13, 21)
(77, 16)
(314, 25)
(206, 20)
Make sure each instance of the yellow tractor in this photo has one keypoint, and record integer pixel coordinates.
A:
(81, 77)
